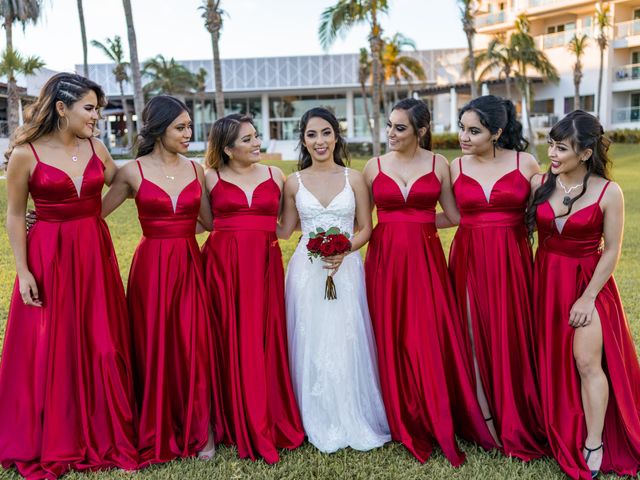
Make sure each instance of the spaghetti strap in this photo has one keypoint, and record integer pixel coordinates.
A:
(218, 174)
(91, 143)
(195, 170)
(379, 167)
(517, 160)
(140, 168)
(433, 164)
(35, 154)
(270, 173)
(544, 177)
(602, 192)
(460, 163)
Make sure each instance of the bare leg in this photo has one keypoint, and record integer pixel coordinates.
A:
(482, 398)
(587, 352)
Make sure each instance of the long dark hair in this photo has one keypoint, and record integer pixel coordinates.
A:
(41, 117)
(583, 131)
(497, 113)
(340, 152)
(158, 114)
(419, 116)
(224, 133)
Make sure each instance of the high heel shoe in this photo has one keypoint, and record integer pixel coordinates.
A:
(208, 454)
(594, 473)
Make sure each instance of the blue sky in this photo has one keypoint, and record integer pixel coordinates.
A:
(253, 28)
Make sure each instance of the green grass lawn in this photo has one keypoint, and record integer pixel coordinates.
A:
(391, 461)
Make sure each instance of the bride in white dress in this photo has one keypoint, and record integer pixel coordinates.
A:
(331, 347)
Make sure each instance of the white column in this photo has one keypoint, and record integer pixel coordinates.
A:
(350, 120)
(20, 119)
(453, 112)
(525, 114)
(266, 138)
(109, 132)
(485, 89)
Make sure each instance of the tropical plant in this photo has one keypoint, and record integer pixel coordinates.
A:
(213, 20)
(364, 74)
(83, 35)
(200, 80)
(526, 56)
(167, 77)
(577, 46)
(337, 20)
(112, 49)
(467, 13)
(12, 11)
(396, 66)
(138, 95)
(603, 22)
(498, 56)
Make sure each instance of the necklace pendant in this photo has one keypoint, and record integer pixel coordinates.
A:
(170, 177)
(74, 158)
(566, 200)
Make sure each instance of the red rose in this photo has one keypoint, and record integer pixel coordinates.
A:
(313, 245)
(327, 248)
(341, 243)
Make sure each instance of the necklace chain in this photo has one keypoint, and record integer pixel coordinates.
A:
(74, 158)
(570, 189)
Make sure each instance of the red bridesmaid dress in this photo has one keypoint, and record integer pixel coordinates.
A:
(245, 279)
(66, 391)
(492, 269)
(170, 313)
(425, 371)
(565, 262)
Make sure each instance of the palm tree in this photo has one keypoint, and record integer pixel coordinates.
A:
(338, 19)
(498, 55)
(467, 13)
(12, 63)
(167, 77)
(364, 72)
(577, 46)
(200, 79)
(526, 55)
(112, 48)
(603, 23)
(212, 14)
(12, 11)
(396, 66)
(83, 34)
(138, 96)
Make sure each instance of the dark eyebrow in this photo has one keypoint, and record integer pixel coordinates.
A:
(400, 125)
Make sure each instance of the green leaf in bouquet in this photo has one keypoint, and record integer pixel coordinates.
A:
(320, 230)
(312, 235)
(346, 234)
(333, 231)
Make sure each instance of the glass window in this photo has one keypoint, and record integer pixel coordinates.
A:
(587, 103)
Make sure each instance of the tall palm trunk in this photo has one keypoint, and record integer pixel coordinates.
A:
(375, 70)
(83, 34)
(472, 64)
(365, 101)
(600, 75)
(577, 78)
(125, 110)
(217, 73)
(507, 84)
(138, 98)
(13, 99)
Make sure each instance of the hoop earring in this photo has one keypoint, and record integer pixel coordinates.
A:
(494, 147)
(60, 129)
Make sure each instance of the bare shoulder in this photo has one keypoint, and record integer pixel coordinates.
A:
(613, 194)
(529, 164)
(277, 172)
(21, 159)
(536, 181)
(100, 148)
(355, 177)
(291, 184)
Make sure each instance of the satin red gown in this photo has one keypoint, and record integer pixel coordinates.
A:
(492, 266)
(66, 389)
(425, 371)
(245, 279)
(170, 313)
(565, 262)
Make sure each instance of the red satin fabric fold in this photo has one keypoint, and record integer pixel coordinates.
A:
(425, 372)
(66, 389)
(491, 265)
(560, 279)
(245, 280)
(170, 313)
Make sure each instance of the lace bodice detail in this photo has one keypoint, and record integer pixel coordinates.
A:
(339, 213)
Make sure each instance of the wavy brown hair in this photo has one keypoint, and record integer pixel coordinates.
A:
(224, 133)
(41, 117)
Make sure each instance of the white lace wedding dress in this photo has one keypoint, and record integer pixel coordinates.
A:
(331, 347)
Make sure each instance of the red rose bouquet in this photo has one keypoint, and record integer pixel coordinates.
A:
(327, 244)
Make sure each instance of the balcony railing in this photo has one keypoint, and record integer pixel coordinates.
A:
(628, 72)
(562, 39)
(488, 19)
(626, 115)
(628, 29)
(541, 3)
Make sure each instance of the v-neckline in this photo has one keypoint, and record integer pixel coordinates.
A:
(571, 215)
(332, 200)
(484, 191)
(78, 188)
(248, 198)
(173, 198)
(409, 189)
